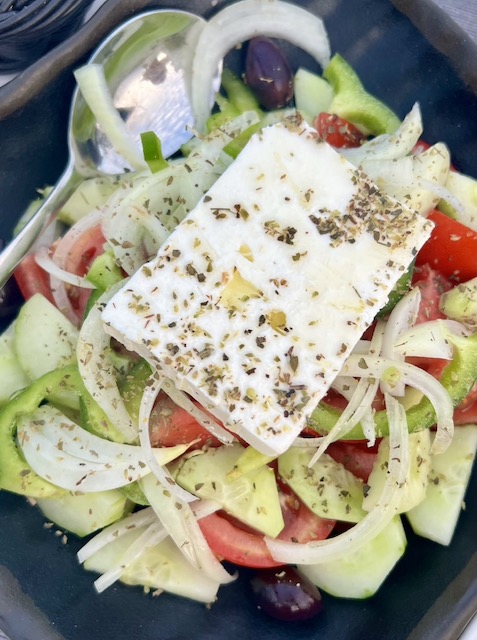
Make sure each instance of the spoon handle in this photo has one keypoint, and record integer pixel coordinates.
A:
(18, 248)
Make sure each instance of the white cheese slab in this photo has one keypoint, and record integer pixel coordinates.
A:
(313, 250)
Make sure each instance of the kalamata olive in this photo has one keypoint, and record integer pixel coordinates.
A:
(268, 73)
(283, 594)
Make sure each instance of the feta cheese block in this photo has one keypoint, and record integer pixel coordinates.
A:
(260, 294)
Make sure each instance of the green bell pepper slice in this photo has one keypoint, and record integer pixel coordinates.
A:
(15, 473)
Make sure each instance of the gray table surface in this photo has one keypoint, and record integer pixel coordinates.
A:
(464, 12)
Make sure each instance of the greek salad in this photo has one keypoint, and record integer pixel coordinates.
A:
(260, 351)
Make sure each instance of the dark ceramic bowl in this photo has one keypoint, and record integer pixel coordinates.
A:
(30, 28)
(404, 51)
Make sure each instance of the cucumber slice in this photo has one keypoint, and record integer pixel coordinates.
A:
(160, 567)
(44, 338)
(460, 303)
(361, 573)
(415, 489)
(313, 94)
(252, 498)
(89, 195)
(437, 515)
(12, 375)
(84, 513)
(327, 488)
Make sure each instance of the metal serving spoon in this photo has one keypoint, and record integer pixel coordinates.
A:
(147, 63)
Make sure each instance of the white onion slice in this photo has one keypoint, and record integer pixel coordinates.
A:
(97, 370)
(375, 521)
(95, 91)
(359, 407)
(44, 260)
(179, 521)
(68, 437)
(390, 146)
(242, 21)
(443, 193)
(152, 535)
(184, 402)
(41, 438)
(344, 385)
(151, 391)
(429, 339)
(400, 319)
(137, 520)
(376, 367)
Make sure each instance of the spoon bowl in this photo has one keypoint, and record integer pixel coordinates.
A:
(146, 63)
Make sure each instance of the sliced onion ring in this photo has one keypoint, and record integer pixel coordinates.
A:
(382, 368)
(46, 262)
(108, 465)
(97, 371)
(179, 521)
(152, 389)
(375, 521)
(242, 21)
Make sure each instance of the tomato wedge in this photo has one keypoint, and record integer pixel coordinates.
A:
(83, 253)
(31, 279)
(451, 249)
(338, 132)
(431, 284)
(356, 457)
(170, 425)
(232, 543)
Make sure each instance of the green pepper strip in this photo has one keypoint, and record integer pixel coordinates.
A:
(457, 378)
(353, 103)
(15, 473)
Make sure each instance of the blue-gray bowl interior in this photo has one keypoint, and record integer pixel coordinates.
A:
(44, 594)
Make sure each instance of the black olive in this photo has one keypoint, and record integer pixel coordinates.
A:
(283, 594)
(268, 73)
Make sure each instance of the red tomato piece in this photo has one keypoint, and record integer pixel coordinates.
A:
(83, 253)
(432, 285)
(357, 457)
(233, 543)
(420, 147)
(87, 247)
(171, 425)
(31, 279)
(451, 249)
(337, 132)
